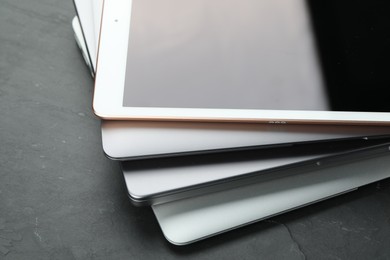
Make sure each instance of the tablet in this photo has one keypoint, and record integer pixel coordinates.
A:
(156, 181)
(124, 140)
(192, 219)
(129, 140)
(87, 30)
(78, 34)
(265, 61)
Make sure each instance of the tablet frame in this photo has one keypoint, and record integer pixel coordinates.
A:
(110, 82)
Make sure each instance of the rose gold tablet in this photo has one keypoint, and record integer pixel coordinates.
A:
(272, 61)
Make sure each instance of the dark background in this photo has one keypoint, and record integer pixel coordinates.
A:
(60, 198)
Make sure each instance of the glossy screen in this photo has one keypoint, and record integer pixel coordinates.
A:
(251, 54)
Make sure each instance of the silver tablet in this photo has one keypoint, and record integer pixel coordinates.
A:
(124, 140)
(270, 61)
(156, 181)
(80, 40)
(84, 11)
(192, 219)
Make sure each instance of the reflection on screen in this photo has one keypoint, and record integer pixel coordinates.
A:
(250, 54)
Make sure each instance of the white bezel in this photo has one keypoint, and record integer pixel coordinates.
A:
(110, 82)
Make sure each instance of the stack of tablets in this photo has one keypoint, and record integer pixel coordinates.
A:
(184, 79)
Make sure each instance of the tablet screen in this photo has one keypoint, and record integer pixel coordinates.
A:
(250, 54)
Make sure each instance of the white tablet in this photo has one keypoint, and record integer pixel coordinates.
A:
(265, 61)
(134, 139)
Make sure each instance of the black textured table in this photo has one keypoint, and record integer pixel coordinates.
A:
(60, 198)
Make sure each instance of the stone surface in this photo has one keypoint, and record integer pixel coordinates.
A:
(60, 198)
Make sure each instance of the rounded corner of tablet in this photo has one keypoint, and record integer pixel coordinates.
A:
(171, 237)
(172, 226)
(135, 193)
(75, 21)
(110, 152)
(98, 109)
(138, 200)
